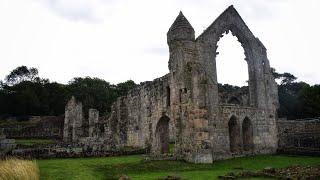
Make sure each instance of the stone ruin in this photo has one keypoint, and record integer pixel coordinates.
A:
(300, 136)
(6, 145)
(184, 107)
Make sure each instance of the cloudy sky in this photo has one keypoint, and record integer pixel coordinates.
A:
(117, 40)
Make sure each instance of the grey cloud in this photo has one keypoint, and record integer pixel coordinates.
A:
(72, 10)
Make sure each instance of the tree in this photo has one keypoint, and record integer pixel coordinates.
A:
(93, 93)
(22, 73)
(286, 78)
(123, 88)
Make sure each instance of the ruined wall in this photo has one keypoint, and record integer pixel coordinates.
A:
(93, 122)
(262, 96)
(301, 136)
(134, 116)
(184, 106)
(73, 129)
(199, 118)
(6, 145)
(36, 127)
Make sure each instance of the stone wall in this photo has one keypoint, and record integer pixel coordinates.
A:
(301, 136)
(36, 127)
(184, 106)
(6, 145)
(73, 121)
(134, 117)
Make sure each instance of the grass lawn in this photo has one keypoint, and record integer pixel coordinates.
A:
(135, 168)
(30, 142)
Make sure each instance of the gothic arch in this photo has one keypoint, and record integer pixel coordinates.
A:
(247, 134)
(162, 135)
(234, 135)
(255, 52)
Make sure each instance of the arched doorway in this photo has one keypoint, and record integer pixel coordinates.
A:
(247, 134)
(234, 135)
(162, 135)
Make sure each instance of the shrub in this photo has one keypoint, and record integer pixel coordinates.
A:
(17, 169)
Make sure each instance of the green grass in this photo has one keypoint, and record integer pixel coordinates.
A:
(171, 147)
(15, 122)
(113, 167)
(30, 142)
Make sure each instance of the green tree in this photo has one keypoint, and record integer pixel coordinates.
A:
(22, 73)
(123, 88)
(93, 93)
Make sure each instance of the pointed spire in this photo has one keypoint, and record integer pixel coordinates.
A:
(181, 29)
(180, 22)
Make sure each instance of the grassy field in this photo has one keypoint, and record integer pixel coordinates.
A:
(135, 168)
(30, 142)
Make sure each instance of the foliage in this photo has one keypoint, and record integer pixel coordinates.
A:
(93, 93)
(24, 93)
(14, 169)
(286, 78)
(227, 88)
(123, 88)
(22, 73)
(297, 99)
(136, 168)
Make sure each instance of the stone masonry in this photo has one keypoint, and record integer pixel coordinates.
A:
(184, 106)
(73, 121)
(301, 136)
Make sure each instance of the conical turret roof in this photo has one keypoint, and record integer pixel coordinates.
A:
(180, 22)
(181, 29)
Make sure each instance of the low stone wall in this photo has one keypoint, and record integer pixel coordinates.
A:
(36, 127)
(6, 145)
(68, 151)
(301, 136)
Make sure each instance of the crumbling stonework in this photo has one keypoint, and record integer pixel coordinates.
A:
(301, 136)
(50, 127)
(184, 106)
(93, 122)
(6, 145)
(73, 121)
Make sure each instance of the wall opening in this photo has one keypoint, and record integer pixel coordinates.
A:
(234, 135)
(232, 71)
(162, 135)
(247, 134)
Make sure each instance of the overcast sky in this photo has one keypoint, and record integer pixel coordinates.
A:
(117, 40)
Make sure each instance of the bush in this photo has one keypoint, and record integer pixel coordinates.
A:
(16, 169)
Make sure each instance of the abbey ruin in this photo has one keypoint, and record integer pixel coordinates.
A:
(184, 107)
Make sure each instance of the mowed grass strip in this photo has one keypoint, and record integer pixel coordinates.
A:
(30, 142)
(136, 168)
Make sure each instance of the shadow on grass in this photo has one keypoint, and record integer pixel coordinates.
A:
(115, 171)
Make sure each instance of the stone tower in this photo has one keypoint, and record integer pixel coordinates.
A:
(185, 108)
(210, 129)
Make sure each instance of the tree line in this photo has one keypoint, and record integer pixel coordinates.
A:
(297, 99)
(23, 92)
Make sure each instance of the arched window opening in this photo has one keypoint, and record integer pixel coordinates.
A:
(234, 135)
(247, 134)
(232, 70)
(162, 135)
